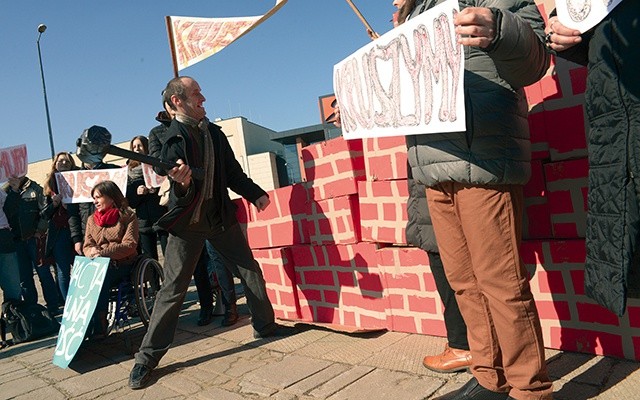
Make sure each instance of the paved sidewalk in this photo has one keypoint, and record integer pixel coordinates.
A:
(228, 364)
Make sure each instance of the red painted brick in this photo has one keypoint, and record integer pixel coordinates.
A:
(553, 310)
(566, 130)
(373, 323)
(331, 296)
(570, 251)
(347, 279)
(578, 80)
(423, 304)
(370, 281)
(434, 327)
(633, 314)
(587, 341)
(550, 87)
(565, 230)
(326, 314)
(403, 324)
(319, 278)
(311, 295)
(588, 312)
(551, 282)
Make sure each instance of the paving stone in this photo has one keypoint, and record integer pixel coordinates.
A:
(581, 368)
(349, 349)
(297, 368)
(247, 387)
(339, 382)
(318, 379)
(92, 380)
(567, 390)
(383, 384)
(218, 394)
(47, 392)
(21, 386)
(623, 382)
(407, 354)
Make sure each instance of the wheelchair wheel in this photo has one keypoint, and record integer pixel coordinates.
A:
(148, 277)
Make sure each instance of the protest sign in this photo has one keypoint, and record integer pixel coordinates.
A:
(75, 186)
(407, 82)
(193, 39)
(87, 277)
(13, 162)
(584, 14)
(151, 179)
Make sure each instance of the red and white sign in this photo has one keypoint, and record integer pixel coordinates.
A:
(194, 39)
(75, 186)
(151, 179)
(13, 162)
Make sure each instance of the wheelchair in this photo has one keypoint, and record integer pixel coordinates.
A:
(135, 297)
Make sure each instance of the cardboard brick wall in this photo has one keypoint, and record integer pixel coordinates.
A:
(333, 167)
(277, 268)
(283, 223)
(341, 284)
(385, 158)
(537, 215)
(570, 320)
(383, 211)
(414, 303)
(567, 186)
(334, 221)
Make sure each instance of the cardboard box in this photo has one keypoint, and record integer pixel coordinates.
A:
(334, 221)
(385, 158)
(567, 186)
(414, 303)
(570, 320)
(341, 285)
(283, 223)
(333, 167)
(279, 274)
(383, 211)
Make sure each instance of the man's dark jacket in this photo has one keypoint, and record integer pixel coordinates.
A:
(24, 210)
(219, 212)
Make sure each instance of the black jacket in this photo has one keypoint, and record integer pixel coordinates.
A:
(218, 212)
(24, 210)
(612, 106)
(75, 226)
(147, 206)
(419, 230)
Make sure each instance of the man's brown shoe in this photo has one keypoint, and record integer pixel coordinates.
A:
(451, 360)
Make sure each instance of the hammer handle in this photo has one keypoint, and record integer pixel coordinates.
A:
(197, 173)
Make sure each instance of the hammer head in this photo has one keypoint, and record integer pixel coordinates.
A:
(93, 144)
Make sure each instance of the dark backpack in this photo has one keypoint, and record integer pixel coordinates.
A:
(26, 322)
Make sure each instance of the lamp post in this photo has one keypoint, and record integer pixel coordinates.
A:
(41, 29)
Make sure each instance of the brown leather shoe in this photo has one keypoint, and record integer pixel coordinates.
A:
(451, 360)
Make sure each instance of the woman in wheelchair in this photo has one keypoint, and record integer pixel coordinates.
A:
(111, 232)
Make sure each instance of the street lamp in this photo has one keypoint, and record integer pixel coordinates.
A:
(41, 29)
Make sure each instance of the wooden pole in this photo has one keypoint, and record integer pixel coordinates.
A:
(359, 14)
(172, 47)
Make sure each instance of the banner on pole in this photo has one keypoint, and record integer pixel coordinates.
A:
(194, 39)
(407, 82)
(87, 277)
(75, 186)
(151, 179)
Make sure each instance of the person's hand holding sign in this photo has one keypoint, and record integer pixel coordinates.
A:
(475, 26)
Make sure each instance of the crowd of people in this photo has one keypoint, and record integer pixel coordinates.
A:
(456, 179)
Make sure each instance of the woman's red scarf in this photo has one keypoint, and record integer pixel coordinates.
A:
(107, 218)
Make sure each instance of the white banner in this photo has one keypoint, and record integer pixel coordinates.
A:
(75, 186)
(13, 162)
(407, 82)
(584, 14)
(151, 179)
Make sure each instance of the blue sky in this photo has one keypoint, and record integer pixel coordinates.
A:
(106, 62)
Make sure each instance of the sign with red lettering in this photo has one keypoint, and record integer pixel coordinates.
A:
(151, 179)
(75, 186)
(13, 162)
(407, 82)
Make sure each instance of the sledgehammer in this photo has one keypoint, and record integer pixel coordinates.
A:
(95, 143)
